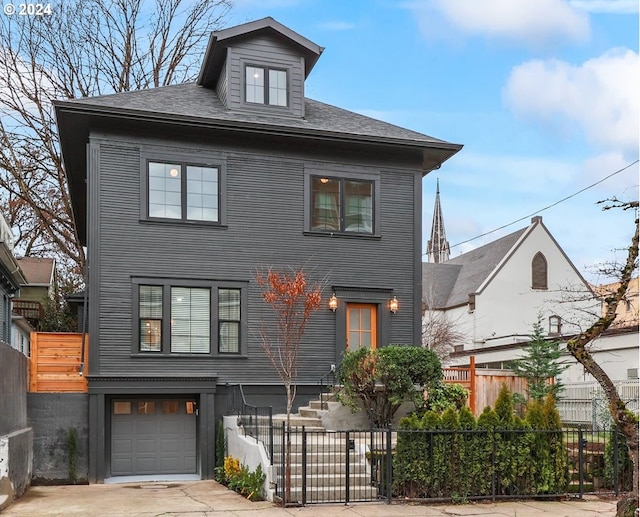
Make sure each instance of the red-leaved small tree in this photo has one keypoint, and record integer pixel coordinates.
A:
(293, 299)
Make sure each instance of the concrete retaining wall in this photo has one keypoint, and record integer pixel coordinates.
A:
(16, 451)
(55, 418)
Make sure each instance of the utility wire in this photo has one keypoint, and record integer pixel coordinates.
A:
(546, 207)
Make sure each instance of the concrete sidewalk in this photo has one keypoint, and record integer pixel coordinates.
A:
(210, 499)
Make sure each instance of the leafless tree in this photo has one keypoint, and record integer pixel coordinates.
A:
(83, 48)
(440, 333)
(624, 419)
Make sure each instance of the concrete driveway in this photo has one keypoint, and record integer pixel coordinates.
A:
(210, 499)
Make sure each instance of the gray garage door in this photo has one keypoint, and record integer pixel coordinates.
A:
(151, 436)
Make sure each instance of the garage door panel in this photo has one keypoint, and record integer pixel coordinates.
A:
(160, 438)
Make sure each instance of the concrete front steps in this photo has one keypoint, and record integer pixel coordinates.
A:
(327, 454)
(307, 416)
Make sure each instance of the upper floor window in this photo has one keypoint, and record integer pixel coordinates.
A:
(555, 325)
(539, 271)
(182, 191)
(180, 319)
(266, 86)
(342, 204)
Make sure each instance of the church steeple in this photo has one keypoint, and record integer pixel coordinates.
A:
(437, 246)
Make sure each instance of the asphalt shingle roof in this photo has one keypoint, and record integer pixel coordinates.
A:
(192, 101)
(450, 283)
(37, 270)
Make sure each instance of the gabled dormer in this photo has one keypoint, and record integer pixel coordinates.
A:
(259, 67)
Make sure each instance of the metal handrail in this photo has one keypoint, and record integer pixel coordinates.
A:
(256, 421)
(331, 373)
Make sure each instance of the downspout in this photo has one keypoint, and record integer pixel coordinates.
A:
(84, 322)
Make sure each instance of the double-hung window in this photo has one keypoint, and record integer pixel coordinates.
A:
(342, 205)
(265, 85)
(178, 319)
(183, 191)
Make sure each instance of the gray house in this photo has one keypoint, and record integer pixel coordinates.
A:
(181, 193)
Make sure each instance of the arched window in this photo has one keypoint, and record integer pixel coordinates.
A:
(539, 272)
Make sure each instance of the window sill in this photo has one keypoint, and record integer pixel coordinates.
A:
(160, 355)
(180, 222)
(347, 235)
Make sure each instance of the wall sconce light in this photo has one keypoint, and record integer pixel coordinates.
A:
(333, 302)
(393, 305)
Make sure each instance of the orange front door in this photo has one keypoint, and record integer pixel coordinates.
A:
(361, 326)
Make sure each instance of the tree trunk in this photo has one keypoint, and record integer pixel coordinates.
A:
(624, 419)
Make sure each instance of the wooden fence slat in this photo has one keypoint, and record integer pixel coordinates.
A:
(55, 363)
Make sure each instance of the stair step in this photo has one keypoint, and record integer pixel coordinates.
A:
(334, 494)
(323, 469)
(317, 404)
(298, 421)
(308, 412)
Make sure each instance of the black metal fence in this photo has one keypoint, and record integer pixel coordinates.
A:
(352, 466)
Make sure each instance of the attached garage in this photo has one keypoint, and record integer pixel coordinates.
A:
(153, 436)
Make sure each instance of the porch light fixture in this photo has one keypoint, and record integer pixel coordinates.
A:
(333, 302)
(393, 305)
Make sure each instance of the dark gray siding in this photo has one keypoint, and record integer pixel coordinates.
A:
(265, 216)
(268, 51)
(222, 88)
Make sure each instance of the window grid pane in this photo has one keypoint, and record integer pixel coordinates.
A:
(165, 186)
(190, 320)
(229, 320)
(202, 193)
(359, 206)
(278, 87)
(150, 314)
(325, 204)
(254, 83)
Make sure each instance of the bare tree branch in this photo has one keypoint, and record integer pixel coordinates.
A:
(85, 48)
(625, 420)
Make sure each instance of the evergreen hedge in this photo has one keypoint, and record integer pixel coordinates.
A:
(453, 455)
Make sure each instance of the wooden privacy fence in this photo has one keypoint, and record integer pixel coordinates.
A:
(484, 384)
(55, 365)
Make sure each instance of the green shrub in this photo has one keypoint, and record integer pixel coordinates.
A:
(625, 466)
(453, 455)
(239, 478)
(383, 379)
(445, 395)
(221, 452)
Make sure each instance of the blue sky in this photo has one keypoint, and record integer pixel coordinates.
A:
(543, 94)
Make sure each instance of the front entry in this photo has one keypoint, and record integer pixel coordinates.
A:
(361, 326)
(153, 436)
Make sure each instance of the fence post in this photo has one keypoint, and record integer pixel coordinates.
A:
(472, 384)
(616, 466)
(346, 470)
(493, 465)
(283, 472)
(580, 463)
(389, 465)
(271, 435)
(304, 466)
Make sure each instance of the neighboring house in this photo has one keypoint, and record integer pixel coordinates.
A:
(182, 192)
(37, 291)
(11, 278)
(495, 293)
(616, 349)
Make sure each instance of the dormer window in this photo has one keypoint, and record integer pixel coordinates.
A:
(266, 86)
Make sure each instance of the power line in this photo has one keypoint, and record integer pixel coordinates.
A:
(546, 207)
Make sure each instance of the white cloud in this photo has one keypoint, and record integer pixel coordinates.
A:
(337, 25)
(607, 6)
(534, 23)
(599, 97)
